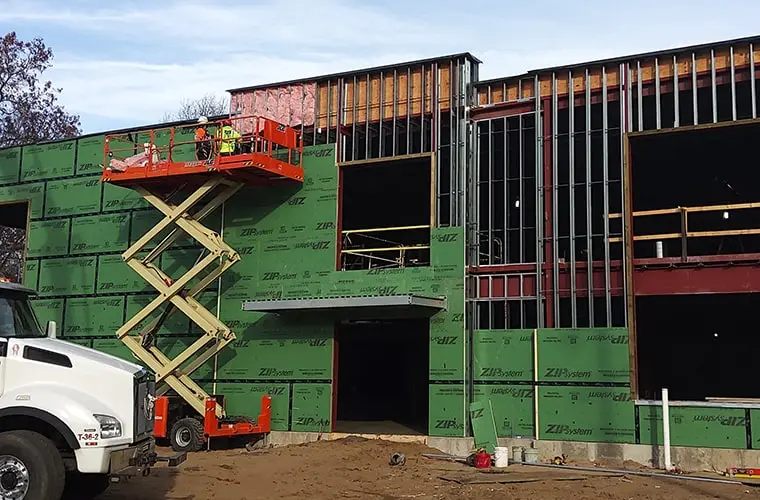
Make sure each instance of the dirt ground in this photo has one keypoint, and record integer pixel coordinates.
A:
(353, 468)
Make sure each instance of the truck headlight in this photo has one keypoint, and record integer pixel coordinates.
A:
(110, 427)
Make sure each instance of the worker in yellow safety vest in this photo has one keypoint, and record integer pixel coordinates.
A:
(228, 139)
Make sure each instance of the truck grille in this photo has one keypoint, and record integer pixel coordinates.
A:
(145, 391)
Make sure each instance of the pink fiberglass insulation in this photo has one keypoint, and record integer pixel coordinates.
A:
(292, 105)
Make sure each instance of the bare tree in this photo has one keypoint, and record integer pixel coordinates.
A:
(29, 109)
(12, 245)
(192, 109)
(29, 113)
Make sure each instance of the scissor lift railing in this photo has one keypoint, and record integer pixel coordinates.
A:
(186, 192)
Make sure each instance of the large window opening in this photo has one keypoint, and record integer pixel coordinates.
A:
(386, 214)
(507, 189)
(698, 346)
(382, 377)
(696, 193)
(14, 218)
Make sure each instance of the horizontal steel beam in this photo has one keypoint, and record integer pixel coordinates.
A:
(688, 279)
(522, 284)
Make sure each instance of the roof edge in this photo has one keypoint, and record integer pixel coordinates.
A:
(373, 69)
(139, 128)
(620, 59)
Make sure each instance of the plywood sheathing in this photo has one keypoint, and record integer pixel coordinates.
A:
(410, 96)
(514, 89)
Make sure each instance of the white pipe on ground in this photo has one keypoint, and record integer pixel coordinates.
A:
(666, 430)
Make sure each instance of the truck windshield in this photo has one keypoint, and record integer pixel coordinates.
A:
(17, 318)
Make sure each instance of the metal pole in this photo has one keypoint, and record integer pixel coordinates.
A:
(521, 194)
(571, 172)
(452, 164)
(589, 213)
(393, 125)
(752, 79)
(640, 96)
(354, 119)
(694, 93)
(329, 111)
(714, 83)
(733, 85)
(506, 257)
(367, 118)
(626, 109)
(408, 109)
(422, 114)
(666, 430)
(489, 181)
(317, 104)
(606, 191)
(555, 199)
(629, 95)
(539, 203)
(676, 91)
(381, 117)
(658, 111)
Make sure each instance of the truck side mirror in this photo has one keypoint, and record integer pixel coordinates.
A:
(51, 329)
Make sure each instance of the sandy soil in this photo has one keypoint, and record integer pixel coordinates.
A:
(360, 469)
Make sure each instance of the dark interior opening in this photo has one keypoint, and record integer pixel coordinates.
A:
(382, 381)
(695, 352)
(14, 218)
(507, 189)
(378, 198)
(696, 168)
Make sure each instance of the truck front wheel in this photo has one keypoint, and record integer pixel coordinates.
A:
(31, 467)
(187, 435)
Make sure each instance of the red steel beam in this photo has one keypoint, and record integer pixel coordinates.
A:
(504, 281)
(739, 273)
(502, 110)
(682, 280)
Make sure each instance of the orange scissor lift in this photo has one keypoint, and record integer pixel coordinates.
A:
(185, 192)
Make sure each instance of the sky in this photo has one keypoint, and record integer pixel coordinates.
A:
(127, 64)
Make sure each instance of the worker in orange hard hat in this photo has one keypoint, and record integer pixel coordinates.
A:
(202, 140)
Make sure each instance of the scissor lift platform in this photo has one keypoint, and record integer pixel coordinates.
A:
(260, 152)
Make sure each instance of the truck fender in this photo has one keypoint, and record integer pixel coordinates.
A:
(71, 408)
(52, 420)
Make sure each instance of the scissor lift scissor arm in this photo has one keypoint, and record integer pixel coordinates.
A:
(186, 193)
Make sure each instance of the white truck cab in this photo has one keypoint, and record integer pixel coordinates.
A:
(72, 419)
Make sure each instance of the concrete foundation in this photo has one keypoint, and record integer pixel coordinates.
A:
(687, 458)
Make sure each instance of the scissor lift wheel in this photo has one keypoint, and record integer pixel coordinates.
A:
(202, 187)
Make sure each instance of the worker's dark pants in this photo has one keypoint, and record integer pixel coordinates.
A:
(202, 150)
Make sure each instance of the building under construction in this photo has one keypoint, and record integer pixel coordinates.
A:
(563, 243)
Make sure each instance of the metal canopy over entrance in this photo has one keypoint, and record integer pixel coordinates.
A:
(374, 303)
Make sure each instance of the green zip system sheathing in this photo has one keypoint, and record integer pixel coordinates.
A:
(287, 240)
(573, 383)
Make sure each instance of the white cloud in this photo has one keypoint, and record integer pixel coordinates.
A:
(143, 92)
(184, 49)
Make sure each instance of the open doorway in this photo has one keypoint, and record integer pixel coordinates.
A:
(382, 376)
(386, 213)
(698, 346)
(14, 222)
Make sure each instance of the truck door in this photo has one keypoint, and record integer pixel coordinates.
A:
(6, 332)
(3, 353)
